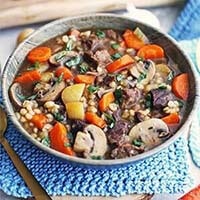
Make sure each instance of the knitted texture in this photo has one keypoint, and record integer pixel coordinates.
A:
(187, 24)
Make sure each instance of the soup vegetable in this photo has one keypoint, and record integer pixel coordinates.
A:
(100, 94)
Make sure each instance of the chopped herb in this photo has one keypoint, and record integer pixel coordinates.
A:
(69, 45)
(141, 77)
(148, 101)
(32, 97)
(58, 117)
(137, 142)
(58, 57)
(115, 46)
(73, 61)
(34, 66)
(70, 137)
(162, 87)
(83, 68)
(170, 76)
(59, 79)
(110, 120)
(100, 34)
(93, 88)
(46, 141)
(96, 157)
(119, 77)
(118, 95)
(23, 98)
(67, 144)
(181, 104)
(116, 56)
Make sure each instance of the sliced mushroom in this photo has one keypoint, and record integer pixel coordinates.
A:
(147, 68)
(99, 138)
(149, 132)
(53, 93)
(83, 143)
(91, 142)
(15, 93)
(61, 57)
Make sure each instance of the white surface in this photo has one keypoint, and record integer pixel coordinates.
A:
(8, 41)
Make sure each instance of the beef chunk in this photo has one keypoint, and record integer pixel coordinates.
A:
(161, 97)
(111, 34)
(117, 134)
(132, 97)
(103, 57)
(124, 151)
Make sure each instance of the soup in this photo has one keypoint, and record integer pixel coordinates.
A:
(100, 94)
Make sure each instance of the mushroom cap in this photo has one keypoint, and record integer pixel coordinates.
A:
(14, 90)
(149, 132)
(83, 142)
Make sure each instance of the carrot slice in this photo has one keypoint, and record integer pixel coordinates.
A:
(39, 54)
(67, 74)
(95, 119)
(132, 41)
(87, 79)
(28, 77)
(106, 100)
(120, 63)
(180, 86)
(59, 140)
(39, 120)
(172, 118)
(151, 51)
(192, 195)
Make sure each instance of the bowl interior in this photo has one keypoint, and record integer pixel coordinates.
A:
(97, 21)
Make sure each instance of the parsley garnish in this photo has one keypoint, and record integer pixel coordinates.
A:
(115, 46)
(162, 87)
(118, 95)
(137, 142)
(170, 76)
(110, 120)
(96, 157)
(58, 117)
(93, 88)
(119, 77)
(67, 144)
(141, 77)
(100, 34)
(46, 141)
(73, 61)
(148, 101)
(116, 56)
(23, 98)
(69, 45)
(34, 66)
(181, 104)
(58, 57)
(59, 79)
(83, 68)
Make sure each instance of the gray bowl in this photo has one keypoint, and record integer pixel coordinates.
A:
(59, 27)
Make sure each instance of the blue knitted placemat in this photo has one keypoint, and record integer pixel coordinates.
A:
(187, 25)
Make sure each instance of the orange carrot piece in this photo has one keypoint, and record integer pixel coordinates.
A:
(120, 64)
(59, 140)
(172, 118)
(39, 54)
(67, 74)
(180, 86)
(39, 120)
(151, 51)
(122, 44)
(132, 41)
(106, 100)
(28, 77)
(192, 195)
(87, 79)
(74, 32)
(95, 119)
